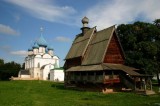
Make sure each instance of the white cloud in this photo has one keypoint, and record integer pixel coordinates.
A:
(45, 9)
(62, 39)
(8, 30)
(108, 13)
(22, 53)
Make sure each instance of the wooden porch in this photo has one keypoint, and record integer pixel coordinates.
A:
(110, 78)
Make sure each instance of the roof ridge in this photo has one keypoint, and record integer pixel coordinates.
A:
(106, 28)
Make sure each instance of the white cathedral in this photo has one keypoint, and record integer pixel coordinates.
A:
(41, 63)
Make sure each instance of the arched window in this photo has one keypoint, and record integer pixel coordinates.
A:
(38, 65)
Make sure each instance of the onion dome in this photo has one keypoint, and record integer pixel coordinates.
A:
(30, 49)
(50, 48)
(85, 20)
(35, 46)
(42, 42)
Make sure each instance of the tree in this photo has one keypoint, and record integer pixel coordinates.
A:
(157, 23)
(140, 43)
(1, 62)
(9, 69)
(23, 66)
(157, 57)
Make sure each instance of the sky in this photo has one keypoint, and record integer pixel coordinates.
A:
(21, 20)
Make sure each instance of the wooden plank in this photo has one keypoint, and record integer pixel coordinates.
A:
(114, 53)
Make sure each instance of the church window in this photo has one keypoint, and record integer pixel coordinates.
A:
(38, 65)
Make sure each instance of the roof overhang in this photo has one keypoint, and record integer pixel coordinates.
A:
(86, 68)
(106, 66)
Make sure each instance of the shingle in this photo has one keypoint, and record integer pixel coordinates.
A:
(86, 68)
(106, 66)
(130, 70)
(97, 48)
(80, 44)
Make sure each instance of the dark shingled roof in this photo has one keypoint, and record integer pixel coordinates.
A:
(106, 66)
(94, 44)
(130, 70)
(80, 44)
(86, 68)
(98, 46)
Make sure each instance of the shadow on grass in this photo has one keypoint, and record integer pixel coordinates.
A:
(58, 86)
(61, 86)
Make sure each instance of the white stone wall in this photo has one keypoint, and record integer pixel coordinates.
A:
(46, 71)
(43, 61)
(36, 72)
(57, 75)
(42, 49)
(35, 51)
(25, 76)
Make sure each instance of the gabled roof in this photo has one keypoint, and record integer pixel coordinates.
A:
(98, 46)
(93, 46)
(80, 44)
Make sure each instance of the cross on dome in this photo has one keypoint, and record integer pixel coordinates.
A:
(41, 41)
(41, 30)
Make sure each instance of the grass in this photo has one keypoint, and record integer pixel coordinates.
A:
(45, 93)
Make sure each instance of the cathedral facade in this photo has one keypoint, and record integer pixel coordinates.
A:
(40, 61)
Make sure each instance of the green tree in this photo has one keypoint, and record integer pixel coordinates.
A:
(23, 66)
(140, 43)
(157, 23)
(9, 69)
(1, 62)
(157, 41)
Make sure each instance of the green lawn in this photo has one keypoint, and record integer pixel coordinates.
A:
(45, 93)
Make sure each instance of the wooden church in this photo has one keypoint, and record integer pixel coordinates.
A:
(96, 59)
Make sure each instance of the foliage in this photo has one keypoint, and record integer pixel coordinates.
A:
(140, 42)
(8, 69)
(1, 62)
(157, 23)
(45, 93)
(23, 66)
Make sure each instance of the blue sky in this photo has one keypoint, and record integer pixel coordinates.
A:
(20, 21)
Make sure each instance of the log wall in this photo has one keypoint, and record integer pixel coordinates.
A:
(114, 53)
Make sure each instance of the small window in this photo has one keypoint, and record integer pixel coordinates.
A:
(38, 65)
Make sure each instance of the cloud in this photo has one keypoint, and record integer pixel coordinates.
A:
(107, 13)
(22, 53)
(62, 39)
(8, 30)
(45, 10)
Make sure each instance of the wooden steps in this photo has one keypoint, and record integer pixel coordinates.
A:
(146, 92)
